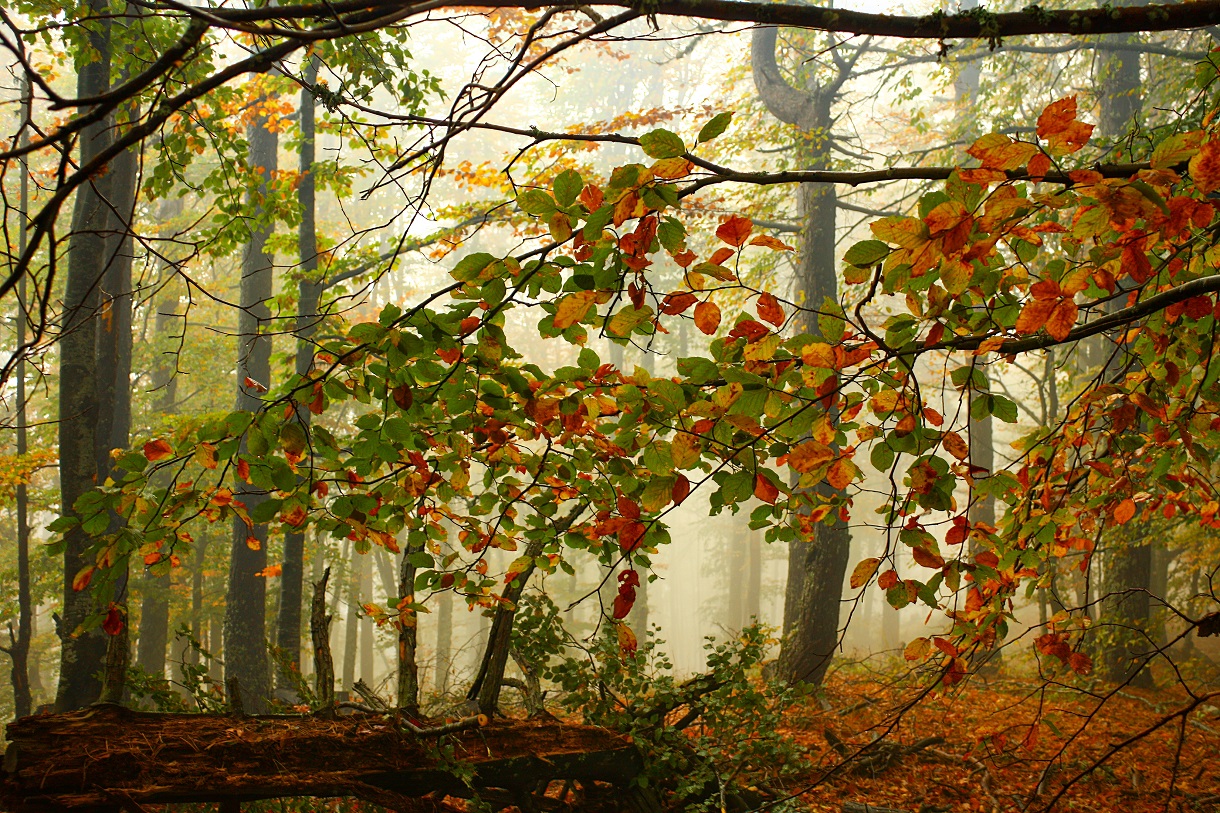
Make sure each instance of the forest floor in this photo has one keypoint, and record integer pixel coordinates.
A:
(1010, 745)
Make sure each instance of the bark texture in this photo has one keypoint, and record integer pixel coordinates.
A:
(107, 756)
(245, 622)
(82, 653)
(816, 566)
(292, 577)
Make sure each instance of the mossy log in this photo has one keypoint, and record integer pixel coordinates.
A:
(109, 757)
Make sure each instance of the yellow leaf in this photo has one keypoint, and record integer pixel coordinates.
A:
(809, 455)
(572, 308)
(864, 571)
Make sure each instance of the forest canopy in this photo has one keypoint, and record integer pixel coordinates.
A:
(536, 343)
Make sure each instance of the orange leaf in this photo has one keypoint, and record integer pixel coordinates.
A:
(955, 446)
(1062, 319)
(1057, 117)
(151, 559)
(1039, 165)
(1205, 167)
(809, 455)
(1034, 316)
(997, 151)
(156, 450)
(592, 197)
(819, 354)
(83, 578)
(1124, 511)
(253, 543)
(469, 325)
(735, 231)
(243, 470)
(449, 356)
(765, 490)
(707, 317)
(841, 473)
(720, 256)
(769, 309)
(270, 571)
(887, 579)
(767, 241)
(253, 385)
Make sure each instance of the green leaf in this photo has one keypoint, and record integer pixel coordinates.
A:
(567, 186)
(598, 221)
(831, 323)
(717, 125)
(536, 202)
(866, 254)
(471, 266)
(662, 144)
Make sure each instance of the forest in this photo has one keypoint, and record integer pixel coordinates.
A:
(641, 405)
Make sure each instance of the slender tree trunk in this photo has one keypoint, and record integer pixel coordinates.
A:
(408, 637)
(292, 577)
(153, 636)
(368, 630)
(351, 628)
(245, 620)
(114, 339)
(444, 641)
(817, 565)
(753, 592)
(19, 649)
(1127, 560)
(82, 653)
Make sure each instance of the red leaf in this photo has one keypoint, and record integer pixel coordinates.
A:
(887, 579)
(243, 470)
(677, 302)
(156, 450)
(451, 355)
(469, 325)
(681, 489)
(113, 624)
(769, 309)
(251, 384)
(707, 317)
(735, 231)
(628, 507)
(630, 537)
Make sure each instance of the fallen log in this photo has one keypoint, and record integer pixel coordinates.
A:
(110, 757)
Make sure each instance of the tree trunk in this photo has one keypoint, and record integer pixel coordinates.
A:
(114, 340)
(1127, 561)
(19, 644)
(82, 655)
(816, 565)
(153, 638)
(292, 576)
(245, 619)
(351, 627)
(444, 641)
(408, 637)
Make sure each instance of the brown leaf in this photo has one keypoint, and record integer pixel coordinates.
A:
(770, 310)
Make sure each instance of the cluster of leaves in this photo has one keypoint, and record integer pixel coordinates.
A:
(588, 459)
